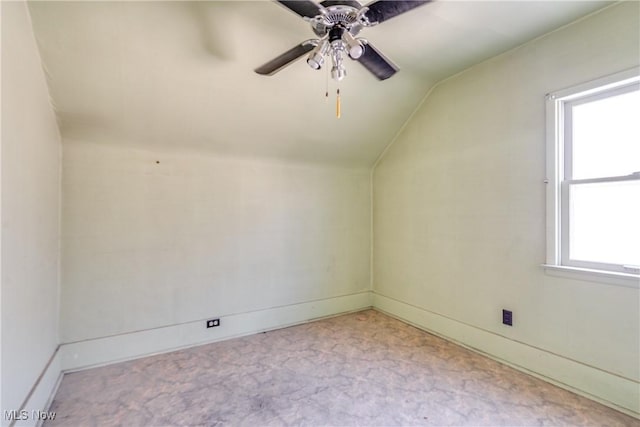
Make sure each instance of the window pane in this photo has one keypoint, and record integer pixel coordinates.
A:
(604, 222)
(606, 136)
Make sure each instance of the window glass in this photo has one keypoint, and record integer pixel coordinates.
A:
(604, 222)
(606, 136)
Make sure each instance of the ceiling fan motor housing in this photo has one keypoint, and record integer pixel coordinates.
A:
(341, 15)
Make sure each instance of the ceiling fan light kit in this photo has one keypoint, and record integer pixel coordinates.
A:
(337, 23)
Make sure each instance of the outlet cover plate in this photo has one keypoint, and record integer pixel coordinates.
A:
(507, 317)
(212, 323)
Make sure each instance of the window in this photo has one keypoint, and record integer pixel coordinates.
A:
(593, 177)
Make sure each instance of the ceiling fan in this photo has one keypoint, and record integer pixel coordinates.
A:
(336, 24)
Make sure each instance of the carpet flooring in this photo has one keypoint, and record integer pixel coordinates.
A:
(360, 369)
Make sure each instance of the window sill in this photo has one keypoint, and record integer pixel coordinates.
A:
(598, 276)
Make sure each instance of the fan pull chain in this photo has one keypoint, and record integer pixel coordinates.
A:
(326, 84)
(338, 103)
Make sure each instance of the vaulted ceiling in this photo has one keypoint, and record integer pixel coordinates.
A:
(180, 74)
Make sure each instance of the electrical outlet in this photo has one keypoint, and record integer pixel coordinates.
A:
(507, 317)
(212, 323)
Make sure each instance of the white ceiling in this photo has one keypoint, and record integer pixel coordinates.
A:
(180, 74)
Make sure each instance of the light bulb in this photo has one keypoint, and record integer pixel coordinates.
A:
(316, 57)
(338, 73)
(354, 46)
(315, 60)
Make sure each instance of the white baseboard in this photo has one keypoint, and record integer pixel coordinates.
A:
(107, 350)
(614, 391)
(41, 395)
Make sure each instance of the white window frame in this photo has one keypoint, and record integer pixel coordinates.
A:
(558, 142)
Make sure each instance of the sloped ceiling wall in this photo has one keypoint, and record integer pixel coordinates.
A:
(180, 74)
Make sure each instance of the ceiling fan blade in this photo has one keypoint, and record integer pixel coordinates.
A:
(278, 63)
(383, 10)
(376, 63)
(304, 8)
(352, 3)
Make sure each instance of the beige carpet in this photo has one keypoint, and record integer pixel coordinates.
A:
(359, 369)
